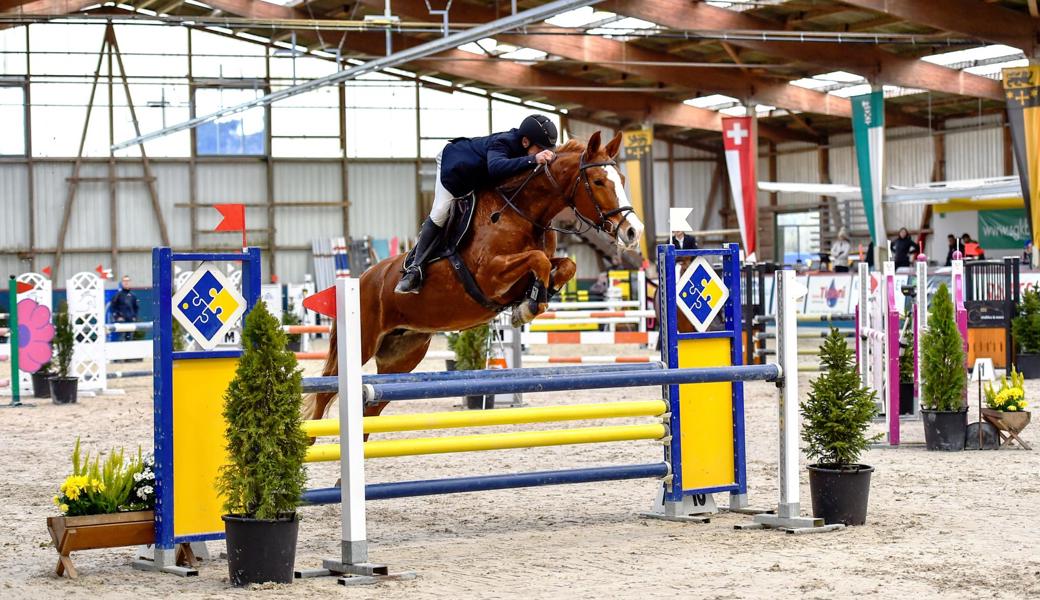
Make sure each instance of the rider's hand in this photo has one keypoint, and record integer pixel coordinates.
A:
(544, 157)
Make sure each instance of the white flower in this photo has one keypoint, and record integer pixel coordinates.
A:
(138, 476)
(147, 489)
(147, 474)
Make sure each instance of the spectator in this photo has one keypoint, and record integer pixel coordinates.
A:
(599, 289)
(972, 249)
(902, 248)
(951, 241)
(124, 307)
(681, 241)
(840, 252)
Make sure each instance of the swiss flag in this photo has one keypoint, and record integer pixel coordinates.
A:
(738, 138)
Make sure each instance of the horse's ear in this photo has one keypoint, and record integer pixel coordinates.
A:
(592, 147)
(613, 146)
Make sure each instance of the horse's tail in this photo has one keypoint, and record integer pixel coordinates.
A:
(315, 406)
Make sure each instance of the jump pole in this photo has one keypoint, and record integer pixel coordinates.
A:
(12, 338)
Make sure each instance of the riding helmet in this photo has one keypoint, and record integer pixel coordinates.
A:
(540, 130)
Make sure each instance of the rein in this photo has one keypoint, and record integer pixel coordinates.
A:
(603, 225)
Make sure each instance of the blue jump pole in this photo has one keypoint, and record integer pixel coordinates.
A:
(585, 381)
(328, 384)
(429, 487)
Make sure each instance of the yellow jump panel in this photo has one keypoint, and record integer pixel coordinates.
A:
(493, 441)
(506, 416)
(706, 410)
(198, 422)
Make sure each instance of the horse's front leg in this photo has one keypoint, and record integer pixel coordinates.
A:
(506, 271)
(563, 269)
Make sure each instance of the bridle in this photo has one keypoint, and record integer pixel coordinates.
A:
(604, 224)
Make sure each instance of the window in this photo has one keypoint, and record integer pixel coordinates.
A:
(12, 120)
(798, 237)
(240, 134)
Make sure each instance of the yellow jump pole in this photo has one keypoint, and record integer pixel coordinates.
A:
(493, 441)
(507, 416)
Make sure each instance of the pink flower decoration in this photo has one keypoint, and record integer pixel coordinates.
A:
(35, 333)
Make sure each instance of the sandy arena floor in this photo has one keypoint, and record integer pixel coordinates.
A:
(958, 525)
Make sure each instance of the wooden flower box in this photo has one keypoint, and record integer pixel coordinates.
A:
(1008, 424)
(71, 534)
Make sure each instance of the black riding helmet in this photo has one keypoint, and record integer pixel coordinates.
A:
(540, 130)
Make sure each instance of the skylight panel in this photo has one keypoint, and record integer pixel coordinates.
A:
(711, 101)
(971, 55)
(623, 26)
(541, 105)
(579, 17)
(852, 90)
(735, 111)
(994, 69)
(524, 54)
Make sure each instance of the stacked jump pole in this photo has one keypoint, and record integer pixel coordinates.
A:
(699, 421)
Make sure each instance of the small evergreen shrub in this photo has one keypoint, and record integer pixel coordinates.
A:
(838, 408)
(906, 356)
(470, 347)
(942, 360)
(1025, 328)
(266, 446)
(64, 344)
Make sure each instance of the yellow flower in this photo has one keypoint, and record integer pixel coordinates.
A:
(56, 501)
(1011, 408)
(101, 486)
(73, 493)
(64, 508)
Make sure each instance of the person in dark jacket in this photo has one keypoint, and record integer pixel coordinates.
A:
(951, 247)
(468, 164)
(681, 241)
(902, 248)
(124, 306)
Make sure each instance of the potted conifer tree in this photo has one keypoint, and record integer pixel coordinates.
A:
(264, 477)
(836, 415)
(41, 380)
(1025, 328)
(943, 410)
(63, 386)
(470, 348)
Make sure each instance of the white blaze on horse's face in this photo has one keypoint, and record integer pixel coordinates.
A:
(627, 238)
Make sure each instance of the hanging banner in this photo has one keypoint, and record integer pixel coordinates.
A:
(868, 132)
(639, 169)
(1003, 229)
(739, 141)
(1022, 90)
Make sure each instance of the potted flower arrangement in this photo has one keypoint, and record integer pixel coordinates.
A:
(1006, 407)
(471, 352)
(906, 372)
(836, 415)
(264, 478)
(1025, 329)
(289, 317)
(943, 411)
(104, 505)
(63, 387)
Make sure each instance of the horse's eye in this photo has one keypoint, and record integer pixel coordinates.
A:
(600, 182)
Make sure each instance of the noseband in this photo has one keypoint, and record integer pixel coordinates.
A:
(603, 225)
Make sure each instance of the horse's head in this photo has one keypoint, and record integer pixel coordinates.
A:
(598, 193)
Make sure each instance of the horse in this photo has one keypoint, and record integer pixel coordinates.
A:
(508, 253)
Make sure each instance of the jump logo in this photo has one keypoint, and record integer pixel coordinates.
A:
(208, 306)
(701, 293)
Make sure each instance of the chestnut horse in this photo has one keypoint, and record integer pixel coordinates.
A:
(509, 253)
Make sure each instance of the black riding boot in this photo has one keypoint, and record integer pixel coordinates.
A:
(412, 276)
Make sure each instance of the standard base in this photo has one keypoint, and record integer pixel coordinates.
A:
(793, 525)
(355, 574)
(691, 509)
(172, 560)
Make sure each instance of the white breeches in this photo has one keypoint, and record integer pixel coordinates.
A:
(442, 198)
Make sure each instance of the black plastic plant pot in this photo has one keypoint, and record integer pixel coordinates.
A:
(840, 493)
(261, 550)
(906, 398)
(63, 389)
(1028, 365)
(945, 430)
(480, 402)
(294, 346)
(41, 385)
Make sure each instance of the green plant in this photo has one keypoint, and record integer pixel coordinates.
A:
(289, 317)
(266, 447)
(470, 347)
(1026, 326)
(96, 488)
(838, 408)
(1011, 397)
(942, 360)
(906, 356)
(179, 336)
(63, 340)
(46, 368)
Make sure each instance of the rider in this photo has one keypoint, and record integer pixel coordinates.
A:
(468, 164)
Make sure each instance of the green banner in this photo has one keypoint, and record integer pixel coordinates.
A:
(868, 134)
(1003, 229)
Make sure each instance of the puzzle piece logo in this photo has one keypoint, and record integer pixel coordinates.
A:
(208, 306)
(701, 293)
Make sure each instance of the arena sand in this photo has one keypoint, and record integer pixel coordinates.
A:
(941, 525)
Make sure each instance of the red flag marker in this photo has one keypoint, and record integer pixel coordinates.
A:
(234, 219)
(46, 271)
(21, 287)
(323, 303)
(103, 272)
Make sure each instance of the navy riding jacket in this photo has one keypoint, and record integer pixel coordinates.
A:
(469, 164)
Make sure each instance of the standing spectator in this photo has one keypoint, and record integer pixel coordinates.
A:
(951, 241)
(124, 306)
(902, 248)
(681, 241)
(840, 252)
